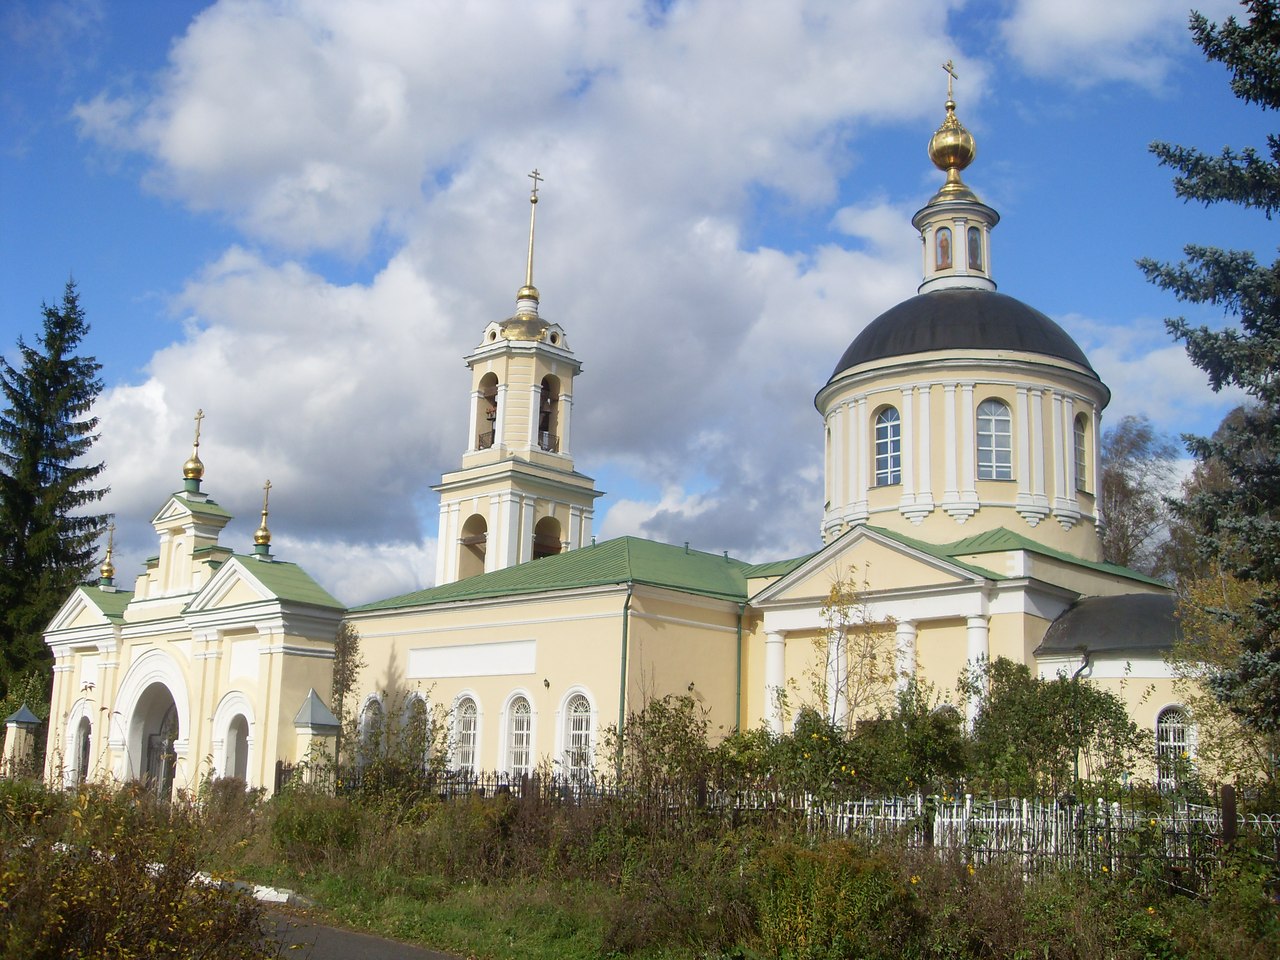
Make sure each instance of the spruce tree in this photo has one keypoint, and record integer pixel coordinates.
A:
(1238, 524)
(47, 532)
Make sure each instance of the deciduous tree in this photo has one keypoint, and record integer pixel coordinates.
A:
(1240, 522)
(1137, 473)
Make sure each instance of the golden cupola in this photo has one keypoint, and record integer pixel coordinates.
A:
(193, 469)
(955, 226)
(262, 536)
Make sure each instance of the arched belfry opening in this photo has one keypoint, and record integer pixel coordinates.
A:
(486, 411)
(546, 538)
(472, 546)
(549, 415)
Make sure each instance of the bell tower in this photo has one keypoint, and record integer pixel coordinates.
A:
(517, 496)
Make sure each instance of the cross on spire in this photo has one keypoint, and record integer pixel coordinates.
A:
(533, 213)
(199, 417)
(266, 494)
(950, 67)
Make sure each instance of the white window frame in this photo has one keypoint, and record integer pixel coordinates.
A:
(994, 437)
(1079, 446)
(577, 735)
(1175, 737)
(517, 746)
(888, 447)
(463, 763)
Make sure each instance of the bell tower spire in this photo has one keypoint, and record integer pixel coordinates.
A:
(517, 496)
(955, 226)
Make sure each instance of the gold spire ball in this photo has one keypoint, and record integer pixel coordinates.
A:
(952, 148)
(193, 469)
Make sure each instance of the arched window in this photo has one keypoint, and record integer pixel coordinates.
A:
(372, 725)
(417, 729)
(888, 447)
(995, 441)
(975, 248)
(1173, 746)
(546, 537)
(84, 739)
(577, 737)
(549, 415)
(465, 724)
(486, 411)
(1080, 448)
(472, 546)
(519, 736)
(942, 249)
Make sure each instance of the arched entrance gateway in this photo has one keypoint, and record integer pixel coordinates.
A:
(153, 731)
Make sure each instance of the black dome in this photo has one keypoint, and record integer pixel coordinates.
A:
(960, 319)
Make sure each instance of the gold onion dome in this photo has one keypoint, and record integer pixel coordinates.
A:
(262, 536)
(193, 469)
(952, 148)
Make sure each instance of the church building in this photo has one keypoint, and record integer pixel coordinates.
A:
(961, 465)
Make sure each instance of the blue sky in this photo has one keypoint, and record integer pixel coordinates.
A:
(300, 215)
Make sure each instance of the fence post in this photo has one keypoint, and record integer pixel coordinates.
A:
(1230, 824)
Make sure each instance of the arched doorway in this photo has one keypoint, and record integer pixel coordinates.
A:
(237, 749)
(153, 731)
(84, 734)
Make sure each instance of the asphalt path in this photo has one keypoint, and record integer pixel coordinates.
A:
(302, 938)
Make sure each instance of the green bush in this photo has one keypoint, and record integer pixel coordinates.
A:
(309, 827)
(838, 901)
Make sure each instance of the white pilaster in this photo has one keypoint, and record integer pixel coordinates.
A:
(904, 666)
(566, 411)
(499, 425)
(526, 530)
(837, 676)
(977, 633)
(1030, 507)
(472, 436)
(775, 677)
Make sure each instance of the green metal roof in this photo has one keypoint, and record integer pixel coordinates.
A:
(111, 604)
(288, 581)
(1001, 540)
(776, 568)
(619, 561)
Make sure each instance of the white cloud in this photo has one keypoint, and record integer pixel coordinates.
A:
(1096, 41)
(319, 126)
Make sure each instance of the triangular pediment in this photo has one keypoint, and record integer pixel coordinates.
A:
(871, 562)
(232, 586)
(173, 511)
(80, 611)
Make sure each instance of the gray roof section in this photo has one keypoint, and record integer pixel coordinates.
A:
(22, 717)
(960, 319)
(1136, 622)
(314, 714)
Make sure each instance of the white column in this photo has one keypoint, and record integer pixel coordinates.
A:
(492, 550)
(907, 447)
(905, 652)
(472, 436)
(835, 426)
(924, 493)
(535, 413)
(968, 474)
(1055, 449)
(499, 434)
(848, 439)
(1037, 445)
(511, 531)
(837, 674)
(977, 633)
(862, 458)
(952, 492)
(1023, 417)
(566, 410)
(526, 530)
(575, 527)
(775, 677)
